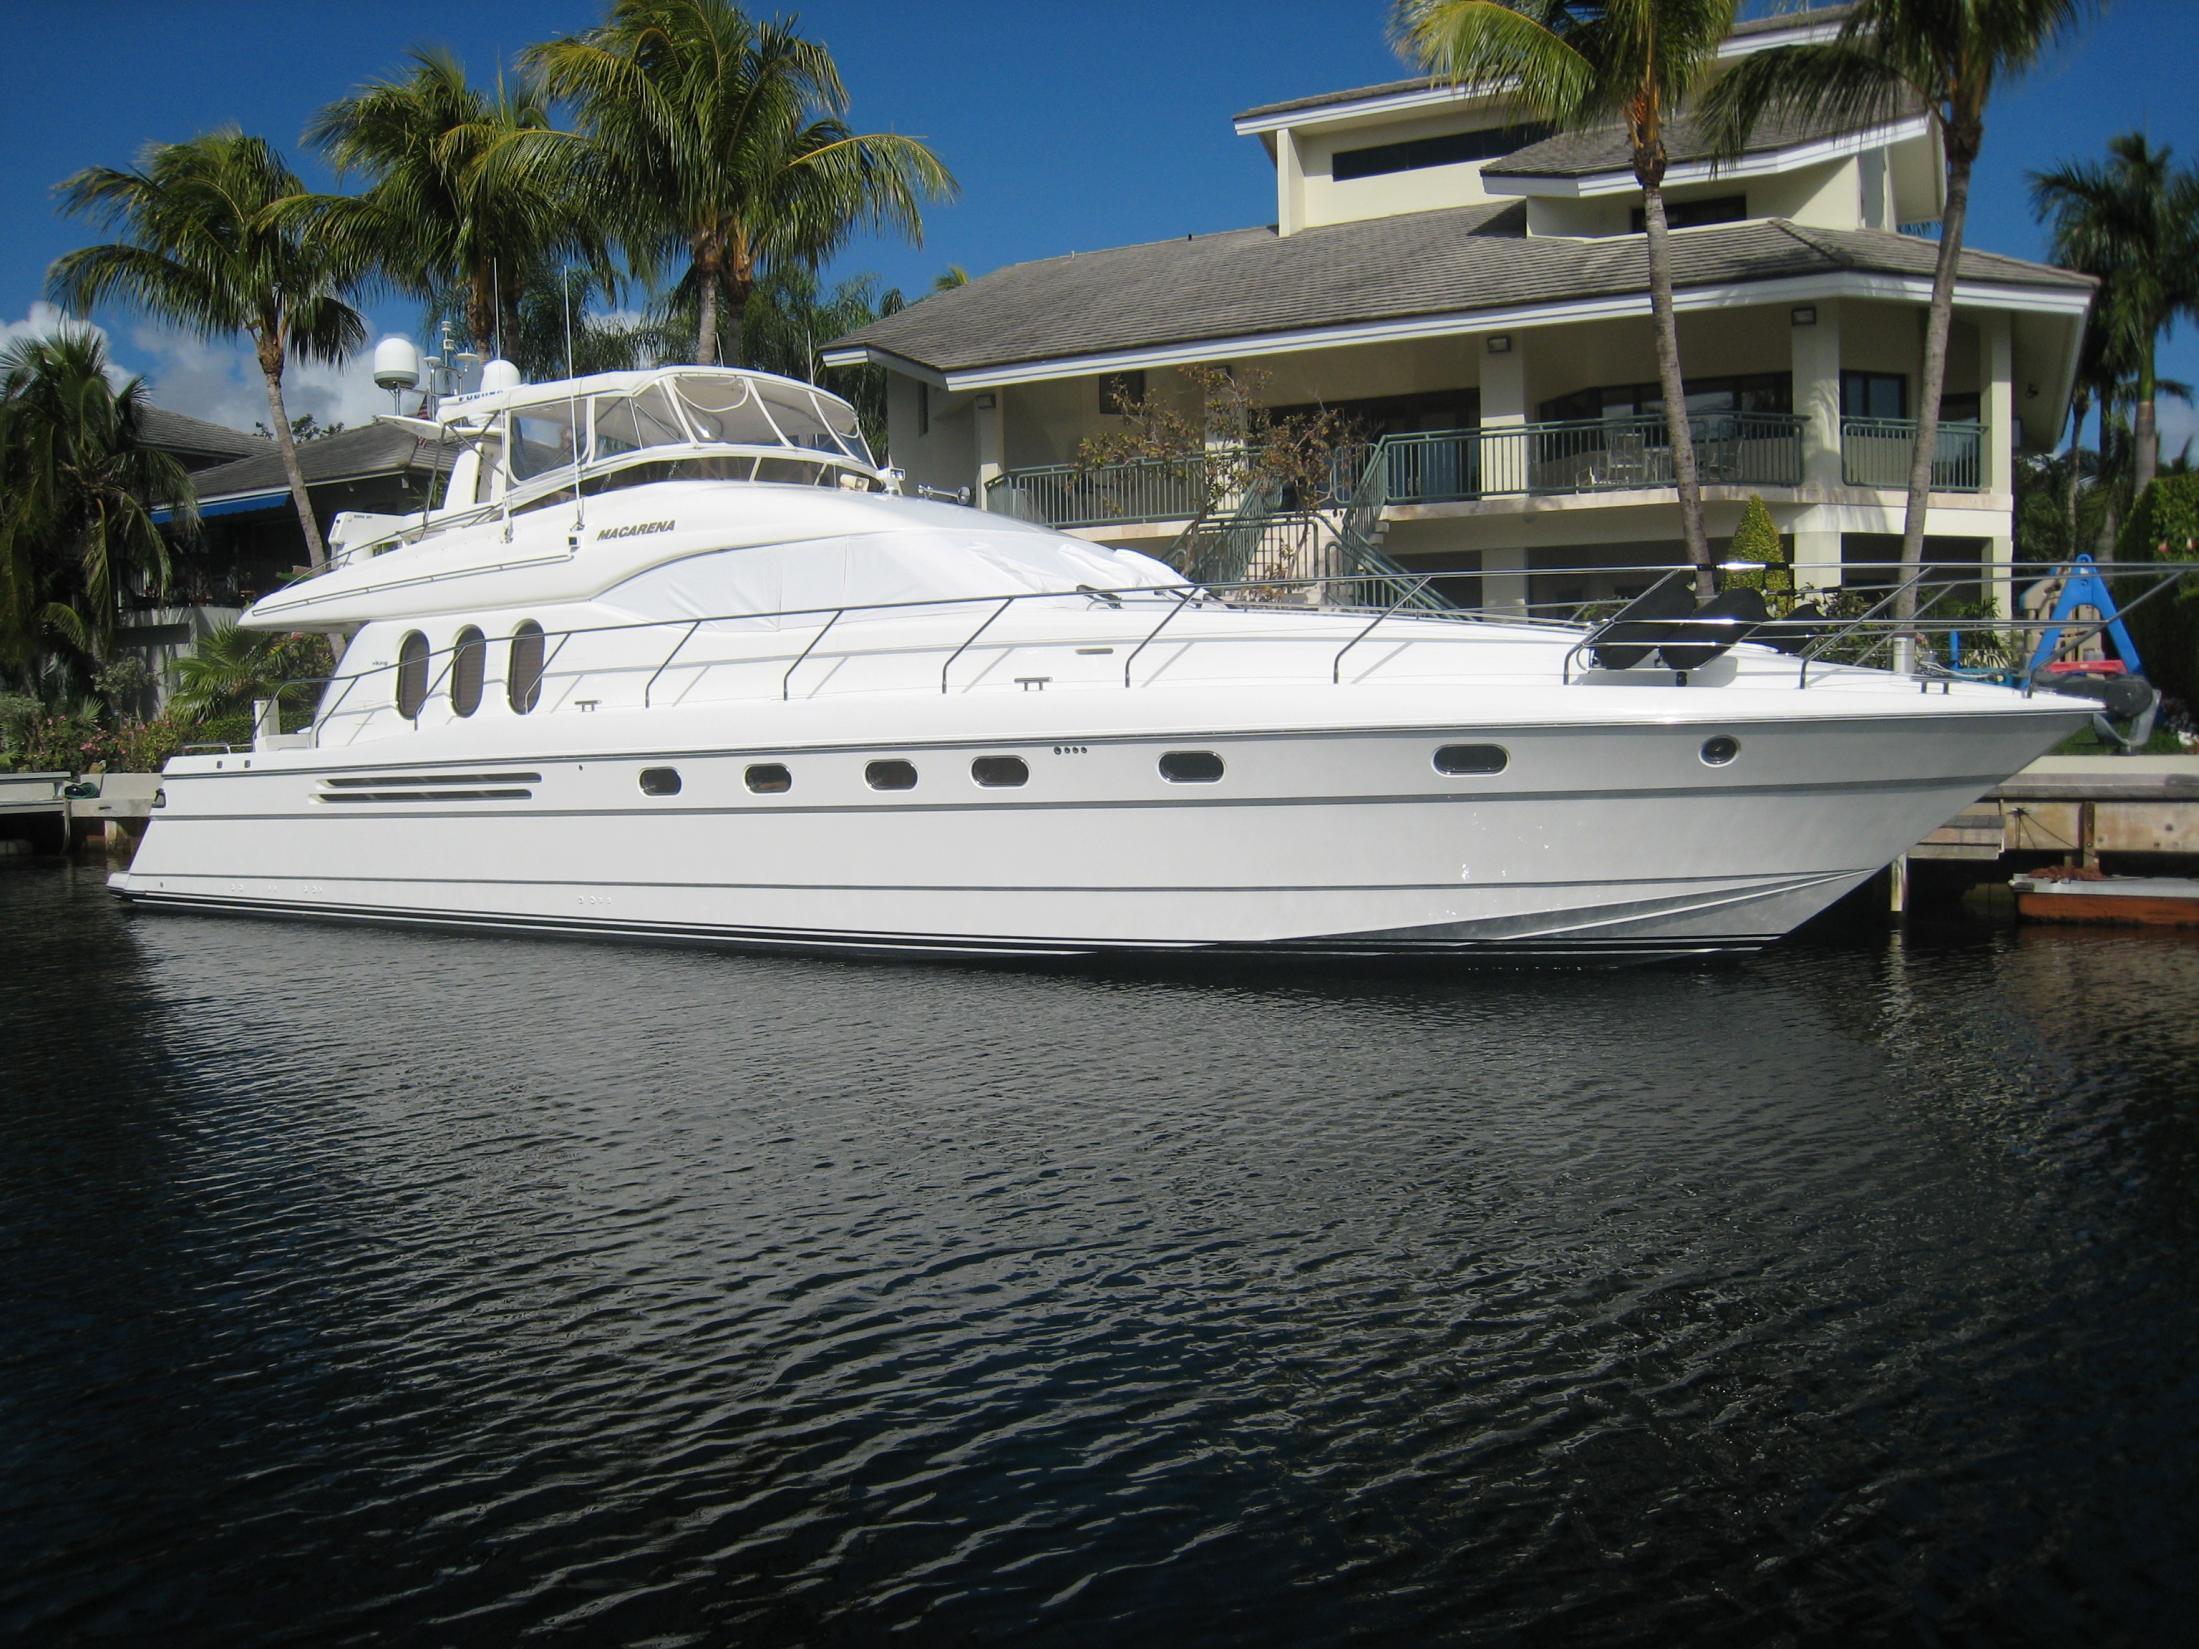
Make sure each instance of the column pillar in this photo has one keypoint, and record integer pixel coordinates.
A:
(1504, 467)
(992, 438)
(1817, 395)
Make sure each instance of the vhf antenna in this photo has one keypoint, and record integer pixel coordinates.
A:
(572, 396)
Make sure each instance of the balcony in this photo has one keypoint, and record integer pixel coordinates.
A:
(1876, 452)
(1574, 457)
(1587, 455)
(1105, 495)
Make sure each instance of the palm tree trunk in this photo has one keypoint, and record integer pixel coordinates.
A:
(481, 313)
(706, 328)
(1938, 322)
(2111, 526)
(272, 371)
(738, 288)
(2145, 459)
(1677, 428)
(2078, 407)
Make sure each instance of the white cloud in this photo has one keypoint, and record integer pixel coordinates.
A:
(221, 381)
(2178, 424)
(45, 319)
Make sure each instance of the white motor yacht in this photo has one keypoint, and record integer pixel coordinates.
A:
(673, 659)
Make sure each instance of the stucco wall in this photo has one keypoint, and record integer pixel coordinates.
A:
(1323, 199)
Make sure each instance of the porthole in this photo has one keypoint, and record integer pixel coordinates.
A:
(523, 680)
(469, 661)
(660, 781)
(999, 772)
(1191, 767)
(1466, 760)
(890, 775)
(1720, 749)
(412, 674)
(770, 779)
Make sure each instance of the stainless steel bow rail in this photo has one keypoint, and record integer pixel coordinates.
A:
(1863, 634)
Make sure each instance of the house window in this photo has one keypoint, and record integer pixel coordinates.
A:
(1694, 214)
(1121, 392)
(523, 676)
(1746, 392)
(1874, 395)
(1415, 154)
(412, 674)
(469, 661)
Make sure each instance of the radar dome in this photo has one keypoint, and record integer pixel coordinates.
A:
(396, 364)
(498, 375)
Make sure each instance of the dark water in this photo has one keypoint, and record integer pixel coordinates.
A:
(368, 1287)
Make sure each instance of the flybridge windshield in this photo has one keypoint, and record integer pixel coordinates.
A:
(680, 411)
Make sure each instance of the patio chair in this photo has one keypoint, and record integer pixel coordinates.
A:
(1623, 463)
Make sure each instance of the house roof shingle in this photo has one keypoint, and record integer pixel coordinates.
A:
(1605, 149)
(180, 432)
(348, 455)
(1428, 82)
(1250, 282)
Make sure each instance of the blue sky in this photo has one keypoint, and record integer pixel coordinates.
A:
(1070, 127)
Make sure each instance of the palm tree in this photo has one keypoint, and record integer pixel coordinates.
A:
(1580, 63)
(1948, 54)
(77, 486)
(724, 141)
(442, 209)
(203, 249)
(2133, 223)
(231, 668)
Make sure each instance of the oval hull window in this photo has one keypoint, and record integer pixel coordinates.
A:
(412, 674)
(890, 775)
(1191, 767)
(999, 772)
(1720, 750)
(1463, 760)
(660, 781)
(769, 779)
(469, 661)
(523, 680)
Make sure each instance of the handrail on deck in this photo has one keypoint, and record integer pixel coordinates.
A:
(1403, 590)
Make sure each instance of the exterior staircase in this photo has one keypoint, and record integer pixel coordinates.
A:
(1324, 558)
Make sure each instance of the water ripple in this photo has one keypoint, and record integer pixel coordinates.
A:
(373, 1285)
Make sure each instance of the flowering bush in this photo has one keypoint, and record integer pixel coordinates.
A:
(48, 743)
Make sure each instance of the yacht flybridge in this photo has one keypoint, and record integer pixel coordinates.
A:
(673, 658)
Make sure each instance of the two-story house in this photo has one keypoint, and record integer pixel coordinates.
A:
(1476, 290)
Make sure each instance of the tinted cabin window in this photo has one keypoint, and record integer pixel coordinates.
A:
(660, 781)
(999, 772)
(469, 662)
(1191, 767)
(1461, 759)
(890, 776)
(412, 674)
(770, 779)
(523, 681)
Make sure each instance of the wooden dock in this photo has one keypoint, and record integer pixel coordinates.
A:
(2143, 811)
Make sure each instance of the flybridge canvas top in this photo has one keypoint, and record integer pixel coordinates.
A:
(612, 414)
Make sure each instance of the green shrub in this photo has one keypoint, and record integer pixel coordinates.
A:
(1757, 539)
(2166, 628)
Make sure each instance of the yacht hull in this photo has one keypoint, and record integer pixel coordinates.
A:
(1593, 845)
